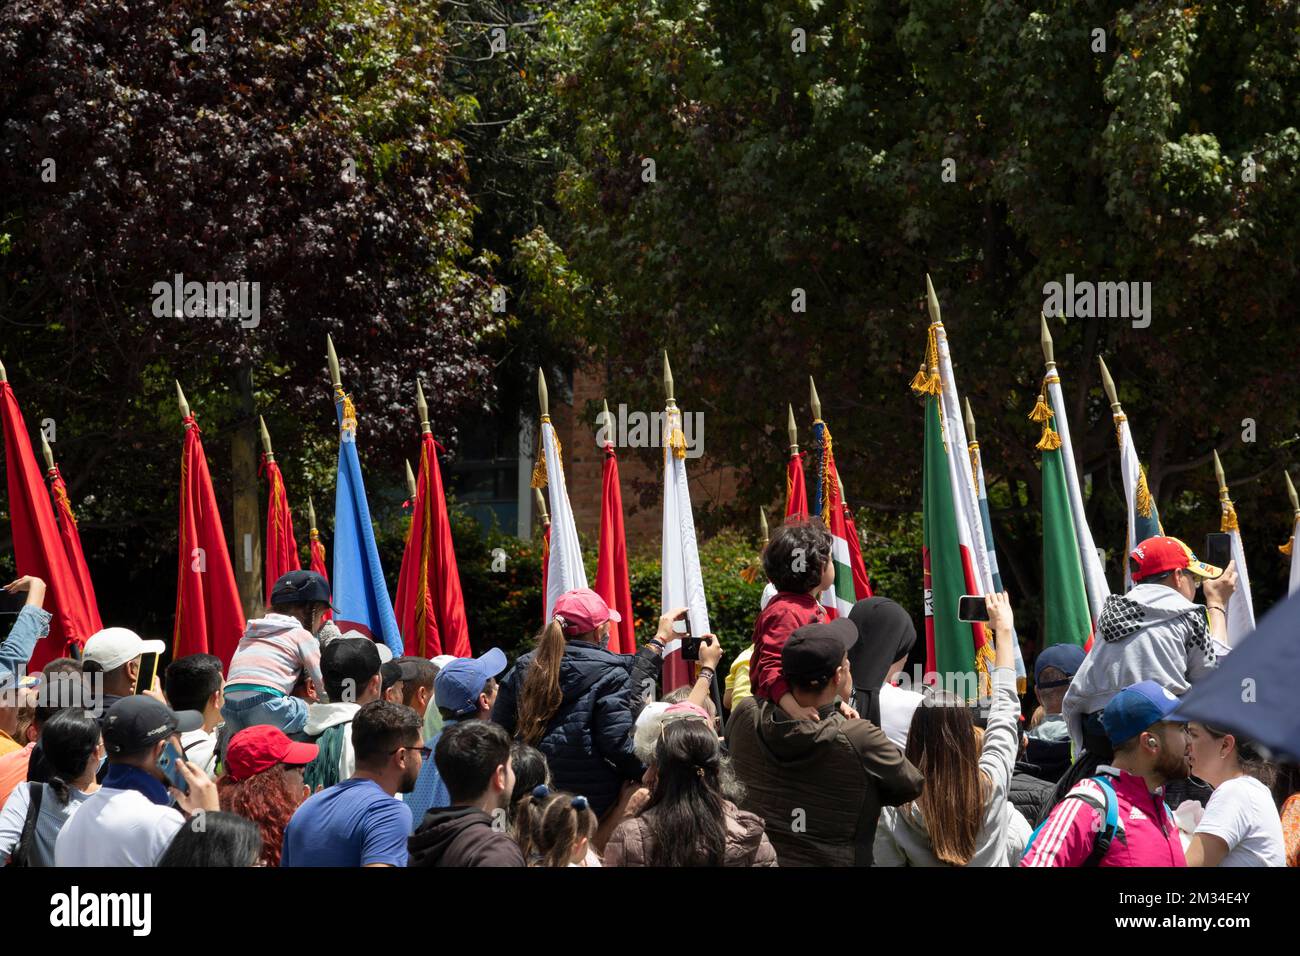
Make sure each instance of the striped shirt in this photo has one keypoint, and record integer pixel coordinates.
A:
(275, 652)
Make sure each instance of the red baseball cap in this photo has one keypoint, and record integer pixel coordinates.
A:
(1162, 554)
(259, 748)
(582, 611)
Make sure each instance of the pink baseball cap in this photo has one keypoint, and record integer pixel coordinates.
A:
(582, 611)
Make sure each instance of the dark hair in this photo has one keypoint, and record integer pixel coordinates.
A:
(941, 744)
(68, 740)
(546, 827)
(1253, 763)
(60, 691)
(685, 814)
(801, 543)
(448, 714)
(531, 770)
(214, 838)
(302, 610)
(189, 682)
(380, 727)
(62, 665)
(345, 660)
(467, 755)
(425, 672)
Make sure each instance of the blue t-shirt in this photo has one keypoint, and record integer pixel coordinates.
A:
(352, 823)
(430, 792)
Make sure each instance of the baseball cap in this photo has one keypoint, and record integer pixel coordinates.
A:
(259, 748)
(583, 610)
(457, 686)
(399, 669)
(814, 651)
(442, 660)
(1136, 708)
(1161, 554)
(349, 658)
(112, 647)
(1066, 658)
(138, 722)
(300, 587)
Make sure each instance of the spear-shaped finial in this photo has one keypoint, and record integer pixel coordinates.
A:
(50, 455)
(335, 378)
(668, 380)
(4, 376)
(932, 301)
(762, 523)
(1218, 474)
(1047, 342)
(422, 407)
(543, 400)
(180, 397)
(814, 402)
(410, 480)
(792, 429)
(541, 506)
(607, 420)
(266, 439)
(970, 423)
(1290, 491)
(1108, 384)
(311, 514)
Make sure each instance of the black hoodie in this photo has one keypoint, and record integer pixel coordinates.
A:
(461, 836)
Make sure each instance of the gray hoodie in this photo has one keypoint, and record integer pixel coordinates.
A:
(902, 838)
(1150, 633)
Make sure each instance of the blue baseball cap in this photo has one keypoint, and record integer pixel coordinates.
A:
(1136, 708)
(1066, 658)
(457, 686)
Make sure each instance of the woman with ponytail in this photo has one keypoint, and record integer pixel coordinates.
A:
(688, 821)
(1240, 825)
(35, 812)
(570, 698)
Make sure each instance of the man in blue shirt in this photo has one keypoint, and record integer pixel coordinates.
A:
(465, 689)
(361, 822)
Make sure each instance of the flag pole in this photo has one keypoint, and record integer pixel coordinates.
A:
(1218, 475)
(792, 430)
(410, 480)
(1290, 492)
(422, 407)
(544, 518)
(311, 513)
(4, 376)
(48, 453)
(266, 439)
(1108, 384)
(543, 399)
(335, 379)
(180, 398)
(814, 402)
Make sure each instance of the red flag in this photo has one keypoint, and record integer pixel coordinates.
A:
(318, 562)
(37, 548)
(430, 607)
(861, 583)
(72, 545)
(281, 548)
(209, 618)
(796, 492)
(611, 562)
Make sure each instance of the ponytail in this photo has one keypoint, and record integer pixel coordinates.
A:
(68, 739)
(548, 824)
(540, 697)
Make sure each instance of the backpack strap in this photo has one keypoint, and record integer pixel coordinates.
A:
(1109, 809)
(22, 855)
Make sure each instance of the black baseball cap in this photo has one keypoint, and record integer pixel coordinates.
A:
(300, 587)
(349, 658)
(814, 651)
(400, 669)
(138, 722)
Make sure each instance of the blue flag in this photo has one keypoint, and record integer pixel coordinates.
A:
(361, 598)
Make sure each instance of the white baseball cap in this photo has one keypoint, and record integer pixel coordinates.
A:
(442, 660)
(114, 646)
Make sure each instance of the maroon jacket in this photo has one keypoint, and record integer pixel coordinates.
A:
(784, 614)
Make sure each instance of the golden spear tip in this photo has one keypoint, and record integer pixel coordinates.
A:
(543, 399)
(932, 301)
(410, 479)
(605, 403)
(1290, 491)
(762, 523)
(668, 377)
(541, 505)
(422, 407)
(1046, 338)
(335, 378)
(47, 452)
(970, 422)
(1218, 471)
(792, 429)
(266, 439)
(813, 400)
(311, 513)
(4, 376)
(1108, 384)
(180, 397)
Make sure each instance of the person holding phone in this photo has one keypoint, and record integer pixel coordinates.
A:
(111, 661)
(131, 819)
(32, 624)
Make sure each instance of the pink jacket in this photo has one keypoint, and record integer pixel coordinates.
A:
(1147, 834)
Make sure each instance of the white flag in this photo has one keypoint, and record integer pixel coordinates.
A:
(682, 583)
(1241, 609)
(1293, 583)
(565, 571)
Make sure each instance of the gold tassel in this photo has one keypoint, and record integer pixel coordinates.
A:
(1042, 411)
(539, 466)
(974, 449)
(926, 384)
(1143, 494)
(1229, 522)
(349, 411)
(1050, 441)
(1288, 547)
(676, 438)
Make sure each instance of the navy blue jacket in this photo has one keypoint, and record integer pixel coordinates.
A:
(588, 743)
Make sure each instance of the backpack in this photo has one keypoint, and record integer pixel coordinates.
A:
(22, 854)
(1106, 835)
(324, 770)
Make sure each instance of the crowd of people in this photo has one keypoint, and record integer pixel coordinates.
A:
(318, 748)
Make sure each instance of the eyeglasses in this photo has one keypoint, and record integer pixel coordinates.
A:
(424, 752)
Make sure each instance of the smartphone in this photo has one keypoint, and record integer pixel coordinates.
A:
(148, 672)
(972, 608)
(167, 763)
(1218, 548)
(690, 645)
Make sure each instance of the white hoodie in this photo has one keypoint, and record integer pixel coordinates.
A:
(320, 717)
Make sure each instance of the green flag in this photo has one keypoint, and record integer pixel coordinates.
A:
(1065, 599)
